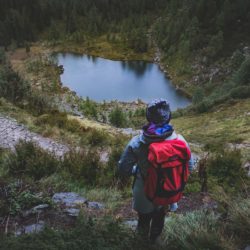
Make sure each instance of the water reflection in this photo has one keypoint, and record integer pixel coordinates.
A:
(137, 67)
(101, 79)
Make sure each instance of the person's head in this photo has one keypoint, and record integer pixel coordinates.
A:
(158, 111)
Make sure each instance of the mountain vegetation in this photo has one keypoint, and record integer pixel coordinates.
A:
(204, 46)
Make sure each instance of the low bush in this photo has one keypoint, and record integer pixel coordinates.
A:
(198, 96)
(110, 170)
(83, 166)
(179, 113)
(39, 103)
(13, 88)
(242, 76)
(237, 59)
(29, 159)
(226, 168)
(240, 92)
(117, 117)
(89, 108)
(204, 106)
(97, 137)
(193, 184)
(17, 196)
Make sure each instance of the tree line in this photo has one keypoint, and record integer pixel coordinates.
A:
(189, 26)
(25, 20)
(180, 26)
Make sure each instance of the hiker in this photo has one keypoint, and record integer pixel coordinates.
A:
(134, 161)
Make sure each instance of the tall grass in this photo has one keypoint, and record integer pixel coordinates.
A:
(239, 220)
(196, 230)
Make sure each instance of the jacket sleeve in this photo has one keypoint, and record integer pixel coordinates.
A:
(127, 161)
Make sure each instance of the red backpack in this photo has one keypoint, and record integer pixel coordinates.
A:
(168, 173)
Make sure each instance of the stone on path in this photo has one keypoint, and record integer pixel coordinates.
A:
(68, 199)
(72, 202)
(94, 204)
(32, 228)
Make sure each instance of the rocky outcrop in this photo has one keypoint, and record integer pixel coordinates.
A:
(11, 133)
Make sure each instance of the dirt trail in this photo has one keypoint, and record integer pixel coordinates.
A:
(11, 132)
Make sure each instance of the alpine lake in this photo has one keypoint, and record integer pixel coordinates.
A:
(127, 81)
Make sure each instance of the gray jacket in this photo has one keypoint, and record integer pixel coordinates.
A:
(135, 157)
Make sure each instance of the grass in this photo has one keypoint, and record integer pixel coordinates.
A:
(196, 230)
(111, 197)
(224, 125)
(89, 234)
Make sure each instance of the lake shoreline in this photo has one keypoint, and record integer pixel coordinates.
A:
(152, 56)
(125, 81)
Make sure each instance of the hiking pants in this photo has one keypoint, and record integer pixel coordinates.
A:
(151, 224)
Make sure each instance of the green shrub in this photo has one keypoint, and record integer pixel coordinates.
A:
(193, 184)
(89, 108)
(237, 59)
(35, 65)
(179, 113)
(198, 96)
(17, 196)
(242, 76)
(97, 137)
(241, 92)
(13, 88)
(226, 168)
(29, 159)
(117, 117)
(204, 106)
(110, 169)
(83, 166)
(39, 103)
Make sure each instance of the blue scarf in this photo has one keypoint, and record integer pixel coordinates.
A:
(157, 129)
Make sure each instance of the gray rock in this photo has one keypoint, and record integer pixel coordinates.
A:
(40, 207)
(246, 166)
(131, 224)
(32, 228)
(74, 212)
(247, 247)
(95, 205)
(69, 199)
(34, 210)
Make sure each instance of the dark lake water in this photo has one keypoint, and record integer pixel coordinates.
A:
(101, 79)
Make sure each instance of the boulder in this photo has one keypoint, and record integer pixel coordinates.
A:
(68, 199)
